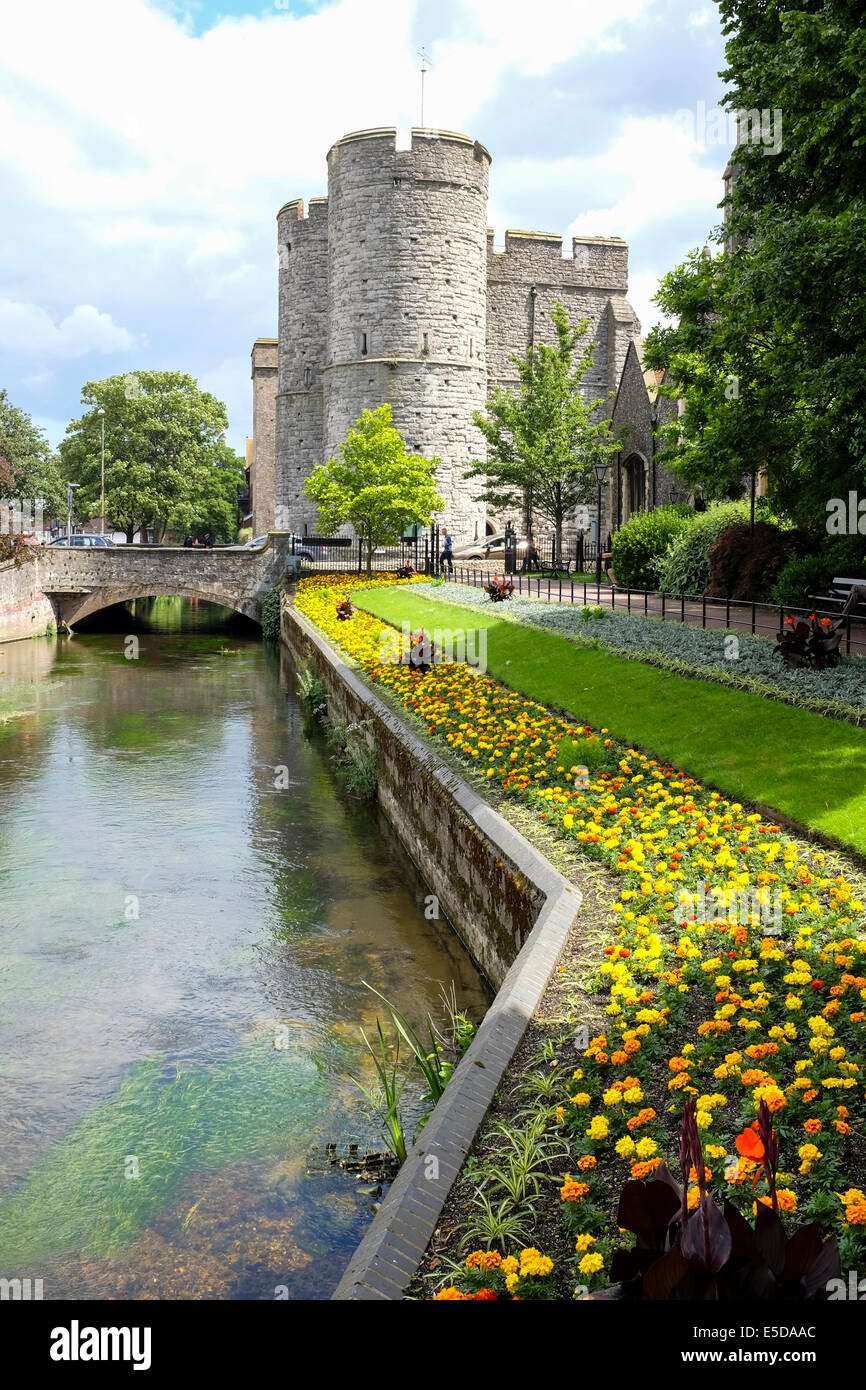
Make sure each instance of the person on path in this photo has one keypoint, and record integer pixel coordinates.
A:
(446, 558)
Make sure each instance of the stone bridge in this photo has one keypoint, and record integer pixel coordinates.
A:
(65, 584)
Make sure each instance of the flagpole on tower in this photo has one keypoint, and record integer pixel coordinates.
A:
(425, 63)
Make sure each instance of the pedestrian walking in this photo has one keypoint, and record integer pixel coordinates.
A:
(447, 557)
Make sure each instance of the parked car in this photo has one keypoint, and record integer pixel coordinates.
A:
(255, 544)
(488, 548)
(85, 539)
(308, 550)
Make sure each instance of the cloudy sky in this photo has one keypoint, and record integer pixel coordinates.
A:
(146, 145)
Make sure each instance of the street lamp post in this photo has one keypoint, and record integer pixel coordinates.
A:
(101, 414)
(602, 468)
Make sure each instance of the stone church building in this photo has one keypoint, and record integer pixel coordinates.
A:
(391, 290)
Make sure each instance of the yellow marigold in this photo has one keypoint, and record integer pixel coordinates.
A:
(591, 1264)
(643, 1170)
(786, 1198)
(598, 1127)
(509, 1265)
(572, 1191)
(583, 1243)
(484, 1259)
(582, 1098)
(645, 1148)
(625, 1147)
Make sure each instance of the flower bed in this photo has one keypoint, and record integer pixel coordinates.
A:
(679, 647)
(734, 972)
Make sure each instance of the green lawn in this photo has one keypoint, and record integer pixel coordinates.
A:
(802, 765)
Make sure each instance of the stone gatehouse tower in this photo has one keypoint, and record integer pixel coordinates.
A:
(390, 290)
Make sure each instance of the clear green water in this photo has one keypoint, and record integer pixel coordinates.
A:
(181, 953)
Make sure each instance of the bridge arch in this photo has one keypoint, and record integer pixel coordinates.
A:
(74, 608)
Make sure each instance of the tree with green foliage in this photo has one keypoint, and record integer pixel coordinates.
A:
(545, 436)
(163, 446)
(216, 510)
(766, 346)
(29, 469)
(375, 486)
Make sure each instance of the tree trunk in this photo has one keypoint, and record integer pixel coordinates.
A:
(369, 557)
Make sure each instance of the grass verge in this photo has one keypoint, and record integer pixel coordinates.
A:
(805, 767)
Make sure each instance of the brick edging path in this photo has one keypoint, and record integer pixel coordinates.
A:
(385, 1262)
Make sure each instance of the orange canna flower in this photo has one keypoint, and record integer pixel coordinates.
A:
(750, 1146)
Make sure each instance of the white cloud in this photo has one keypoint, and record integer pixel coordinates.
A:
(230, 382)
(149, 161)
(27, 329)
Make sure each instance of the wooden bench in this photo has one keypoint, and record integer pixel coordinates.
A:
(848, 596)
(547, 571)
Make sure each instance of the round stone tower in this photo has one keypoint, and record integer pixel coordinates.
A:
(303, 297)
(407, 299)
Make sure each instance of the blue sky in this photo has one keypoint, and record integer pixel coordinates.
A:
(146, 145)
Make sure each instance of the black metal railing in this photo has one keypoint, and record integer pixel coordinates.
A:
(724, 614)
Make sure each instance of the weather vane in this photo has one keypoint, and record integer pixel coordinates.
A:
(425, 64)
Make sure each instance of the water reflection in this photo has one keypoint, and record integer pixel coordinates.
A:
(182, 948)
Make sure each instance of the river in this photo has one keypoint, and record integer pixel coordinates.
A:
(183, 940)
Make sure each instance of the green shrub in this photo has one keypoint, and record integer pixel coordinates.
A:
(588, 753)
(271, 616)
(685, 568)
(838, 555)
(312, 692)
(640, 545)
(245, 534)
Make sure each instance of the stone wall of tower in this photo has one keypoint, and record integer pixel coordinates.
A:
(590, 284)
(583, 283)
(264, 374)
(407, 286)
(303, 297)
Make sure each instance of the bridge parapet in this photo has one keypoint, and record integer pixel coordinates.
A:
(80, 581)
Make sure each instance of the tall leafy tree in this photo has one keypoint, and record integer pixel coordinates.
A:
(375, 485)
(162, 438)
(767, 347)
(29, 469)
(216, 509)
(545, 436)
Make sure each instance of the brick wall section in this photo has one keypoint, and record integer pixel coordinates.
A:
(264, 374)
(512, 909)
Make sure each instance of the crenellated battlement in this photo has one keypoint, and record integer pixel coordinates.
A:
(595, 261)
(293, 211)
(421, 138)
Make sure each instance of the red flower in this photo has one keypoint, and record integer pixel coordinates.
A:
(750, 1146)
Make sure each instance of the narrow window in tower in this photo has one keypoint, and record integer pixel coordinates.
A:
(363, 345)
(397, 182)
(471, 347)
(308, 376)
(425, 343)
